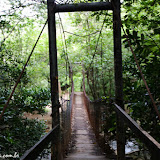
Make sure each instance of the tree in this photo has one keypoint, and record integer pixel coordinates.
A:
(18, 33)
(141, 22)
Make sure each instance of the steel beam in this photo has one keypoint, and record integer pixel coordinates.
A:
(56, 147)
(53, 62)
(118, 78)
(96, 6)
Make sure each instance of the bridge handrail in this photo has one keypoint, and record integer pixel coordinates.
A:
(146, 138)
(33, 152)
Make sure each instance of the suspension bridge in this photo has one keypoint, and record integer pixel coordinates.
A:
(76, 124)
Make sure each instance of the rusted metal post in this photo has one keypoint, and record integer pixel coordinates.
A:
(56, 151)
(118, 78)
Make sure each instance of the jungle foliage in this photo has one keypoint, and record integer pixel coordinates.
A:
(142, 26)
(82, 38)
(18, 33)
(140, 20)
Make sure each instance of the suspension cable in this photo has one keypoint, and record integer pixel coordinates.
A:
(138, 66)
(141, 73)
(18, 80)
(65, 44)
(100, 32)
(10, 32)
(67, 57)
(96, 45)
(64, 37)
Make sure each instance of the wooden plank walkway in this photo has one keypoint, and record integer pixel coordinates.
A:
(85, 147)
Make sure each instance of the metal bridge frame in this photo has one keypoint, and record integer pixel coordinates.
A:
(53, 8)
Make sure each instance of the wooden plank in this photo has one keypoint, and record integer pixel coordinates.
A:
(34, 152)
(95, 6)
(148, 140)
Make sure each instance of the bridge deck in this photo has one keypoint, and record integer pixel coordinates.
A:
(85, 146)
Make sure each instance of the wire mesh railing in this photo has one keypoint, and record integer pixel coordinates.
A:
(66, 117)
(100, 116)
(43, 148)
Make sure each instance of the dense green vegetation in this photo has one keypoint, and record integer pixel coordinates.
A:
(18, 34)
(142, 23)
(82, 38)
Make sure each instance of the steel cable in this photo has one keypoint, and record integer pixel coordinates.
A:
(18, 80)
(65, 44)
(100, 32)
(138, 66)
